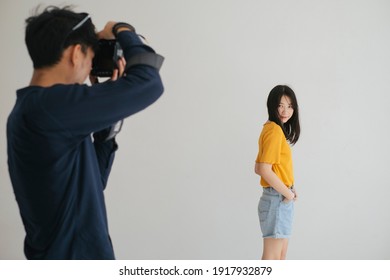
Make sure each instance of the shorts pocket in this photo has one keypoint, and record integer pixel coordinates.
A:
(264, 208)
(286, 214)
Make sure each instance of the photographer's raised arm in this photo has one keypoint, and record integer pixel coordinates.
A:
(105, 144)
(86, 109)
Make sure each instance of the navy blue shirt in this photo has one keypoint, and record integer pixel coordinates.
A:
(59, 162)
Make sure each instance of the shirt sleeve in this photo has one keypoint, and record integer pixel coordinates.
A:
(81, 109)
(270, 146)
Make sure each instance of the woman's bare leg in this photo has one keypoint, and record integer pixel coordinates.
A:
(275, 248)
(284, 249)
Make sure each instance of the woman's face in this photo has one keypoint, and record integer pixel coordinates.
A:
(285, 109)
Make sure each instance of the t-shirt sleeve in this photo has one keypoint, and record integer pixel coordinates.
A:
(270, 145)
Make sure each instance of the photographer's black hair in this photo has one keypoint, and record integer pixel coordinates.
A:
(291, 128)
(49, 33)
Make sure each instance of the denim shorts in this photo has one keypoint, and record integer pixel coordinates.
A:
(275, 216)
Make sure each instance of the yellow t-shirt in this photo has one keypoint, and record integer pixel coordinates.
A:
(274, 149)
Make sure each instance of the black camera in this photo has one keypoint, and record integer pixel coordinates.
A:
(106, 58)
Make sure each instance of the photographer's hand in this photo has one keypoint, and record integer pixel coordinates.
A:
(121, 69)
(106, 33)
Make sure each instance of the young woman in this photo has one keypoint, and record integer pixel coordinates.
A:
(274, 165)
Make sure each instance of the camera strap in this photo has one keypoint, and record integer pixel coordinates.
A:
(151, 59)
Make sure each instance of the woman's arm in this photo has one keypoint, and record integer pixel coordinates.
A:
(266, 172)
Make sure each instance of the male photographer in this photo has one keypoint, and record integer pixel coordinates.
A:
(61, 144)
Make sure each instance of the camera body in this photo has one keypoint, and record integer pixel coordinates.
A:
(106, 57)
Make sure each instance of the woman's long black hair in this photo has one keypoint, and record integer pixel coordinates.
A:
(291, 128)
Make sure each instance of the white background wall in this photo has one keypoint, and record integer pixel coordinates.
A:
(183, 186)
